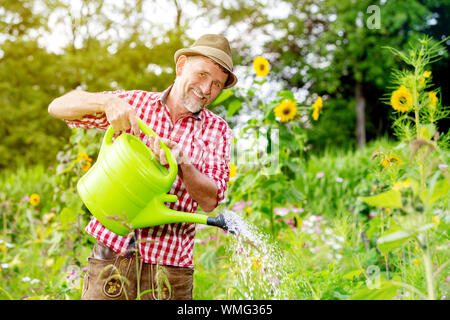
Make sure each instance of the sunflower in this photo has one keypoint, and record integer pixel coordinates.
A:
(82, 155)
(261, 66)
(317, 106)
(402, 99)
(286, 110)
(391, 159)
(85, 167)
(35, 199)
(85, 160)
(433, 99)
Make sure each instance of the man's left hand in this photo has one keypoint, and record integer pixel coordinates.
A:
(180, 156)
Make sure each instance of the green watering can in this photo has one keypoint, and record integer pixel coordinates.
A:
(127, 186)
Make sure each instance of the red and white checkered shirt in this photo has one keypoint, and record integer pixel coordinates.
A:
(206, 137)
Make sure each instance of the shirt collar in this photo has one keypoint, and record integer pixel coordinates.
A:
(163, 97)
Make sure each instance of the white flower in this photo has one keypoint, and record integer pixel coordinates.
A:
(338, 256)
(4, 266)
(336, 246)
(281, 211)
(34, 281)
(328, 231)
(307, 224)
(26, 279)
(340, 238)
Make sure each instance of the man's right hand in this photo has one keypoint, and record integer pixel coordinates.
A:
(120, 115)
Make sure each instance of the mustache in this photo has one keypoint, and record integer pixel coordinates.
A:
(199, 92)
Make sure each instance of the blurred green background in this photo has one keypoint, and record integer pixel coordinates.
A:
(50, 47)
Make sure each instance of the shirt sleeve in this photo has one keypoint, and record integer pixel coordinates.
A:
(216, 164)
(99, 120)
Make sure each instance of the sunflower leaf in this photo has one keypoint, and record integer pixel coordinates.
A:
(388, 199)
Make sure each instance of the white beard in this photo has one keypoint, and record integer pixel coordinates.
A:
(190, 103)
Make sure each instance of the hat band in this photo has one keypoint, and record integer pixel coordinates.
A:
(216, 53)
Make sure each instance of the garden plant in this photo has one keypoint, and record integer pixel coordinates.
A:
(370, 223)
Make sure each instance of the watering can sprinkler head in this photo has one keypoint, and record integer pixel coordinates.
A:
(219, 221)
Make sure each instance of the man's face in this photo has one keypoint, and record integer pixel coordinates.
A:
(200, 81)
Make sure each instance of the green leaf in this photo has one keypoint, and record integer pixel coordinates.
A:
(224, 95)
(234, 106)
(440, 189)
(67, 216)
(353, 274)
(393, 239)
(248, 181)
(386, 291)
(286, 95)
(207, 258)
(388, 199)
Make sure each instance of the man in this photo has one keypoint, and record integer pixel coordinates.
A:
(199, 140)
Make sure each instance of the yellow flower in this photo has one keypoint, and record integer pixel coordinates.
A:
(433, 99)
(391, 159)
(317, 106)
(402, 184)
(256, 263)
(299, 222)
(436, 220)
(426, 74)
(261, 66)
(402, 99)
(85, 167)
(83, 155)
(49, 217)
(416, 262)
(286, 110)
(85, 160)
(35, 199)
(39, 233)
(232, 170)
(249, 211)
(49, 262)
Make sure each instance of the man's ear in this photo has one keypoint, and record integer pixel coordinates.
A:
(181, 62)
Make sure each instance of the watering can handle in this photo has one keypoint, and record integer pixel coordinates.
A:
(173, 166)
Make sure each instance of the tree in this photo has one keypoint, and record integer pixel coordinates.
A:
(109, 47)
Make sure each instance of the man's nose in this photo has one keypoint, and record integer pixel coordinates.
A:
(206, 87)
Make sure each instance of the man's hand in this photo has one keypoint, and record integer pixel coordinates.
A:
(77, 103)
(177, 152)
(199, 186)
(120, 115)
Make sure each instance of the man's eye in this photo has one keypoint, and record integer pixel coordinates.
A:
(202, 74)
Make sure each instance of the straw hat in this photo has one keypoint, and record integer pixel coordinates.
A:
(215, 47)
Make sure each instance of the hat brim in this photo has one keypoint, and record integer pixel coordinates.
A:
(232, 78)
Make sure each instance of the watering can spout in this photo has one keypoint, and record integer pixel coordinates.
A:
(218, 221)
(157, 213)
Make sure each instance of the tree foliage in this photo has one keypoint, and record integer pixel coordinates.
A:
(313, 46)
